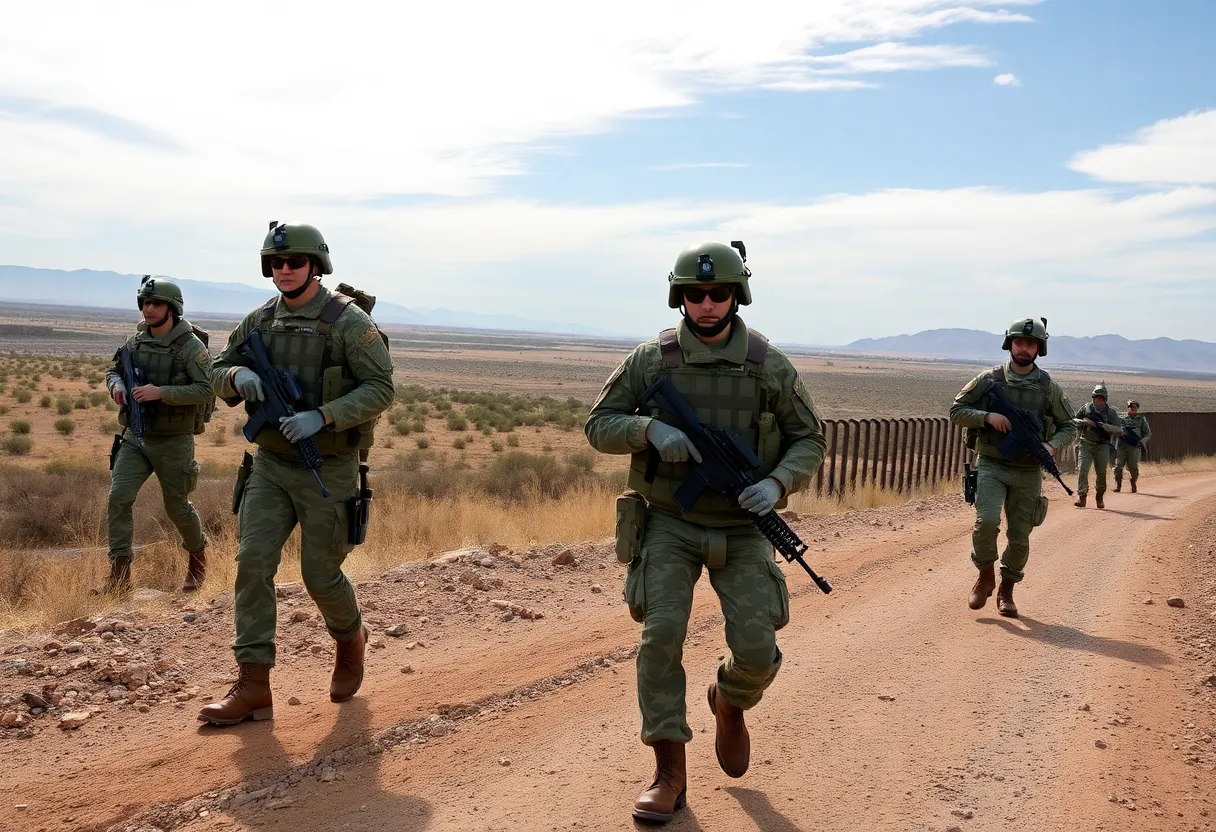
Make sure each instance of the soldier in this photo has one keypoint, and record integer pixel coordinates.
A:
(1127, 454)
(1016, 484)
(734, 379)
(176, 399)
(1094, 450)
(343, 367)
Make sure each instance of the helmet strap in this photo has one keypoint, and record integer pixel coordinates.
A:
(716, 329)
(299, 290)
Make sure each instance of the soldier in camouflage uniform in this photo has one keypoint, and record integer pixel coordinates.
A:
(1014, 484)
(176, 400)
(1094, 450)
(1127, 454)
(734, 379)
(343, 367)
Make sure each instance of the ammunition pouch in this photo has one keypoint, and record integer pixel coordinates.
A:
(358, 510)
(242, 479)
(631, 512)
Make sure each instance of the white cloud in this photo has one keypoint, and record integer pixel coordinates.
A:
(1174, 150)
(1007, 79)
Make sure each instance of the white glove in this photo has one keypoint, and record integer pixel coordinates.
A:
(672, 444)
(762, 497)
(119, 393)
(248, 385)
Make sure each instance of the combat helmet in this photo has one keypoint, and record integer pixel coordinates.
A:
(707, 264)
(1099, 390)
(295, 238)
(1133, 403)
(163, 289)
(1028, 328)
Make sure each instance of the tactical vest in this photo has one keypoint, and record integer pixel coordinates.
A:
(1095, 435)
(724, 396)
(307, 353)
(1034, 399)
(165, 366)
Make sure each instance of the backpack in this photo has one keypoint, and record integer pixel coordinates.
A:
(207, 408)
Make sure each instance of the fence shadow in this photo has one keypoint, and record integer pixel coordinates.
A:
(1071, 638)
(761, 811)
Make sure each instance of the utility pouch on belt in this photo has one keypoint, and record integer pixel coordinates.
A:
(1040, 511)
(114, 450)
(242, 479)
(359, 510)
(630, 525)
(970, 482)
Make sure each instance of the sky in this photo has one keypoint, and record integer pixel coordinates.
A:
(892, 165)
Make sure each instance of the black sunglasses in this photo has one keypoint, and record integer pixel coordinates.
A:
(295, 261)
(718, 294)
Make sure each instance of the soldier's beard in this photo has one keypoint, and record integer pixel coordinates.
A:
(713, 329)
(1021, 359)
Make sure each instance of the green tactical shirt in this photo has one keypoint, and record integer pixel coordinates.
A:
(356, 344)
(615, 428)
(1107, 415)
(966, 411)
(196, 359)
(1137, 423)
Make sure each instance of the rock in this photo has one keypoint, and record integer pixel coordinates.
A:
(73, 647)
(295, 700)
(329, 774)
(1084, 707)
(504, 762)
(791, 516)
(1208, 680)
(965, 814)
(281, 803)
(411, 645)
(407, 669)
(73, 720)
(35, 701)
(1100, 744)
(300, 615)
(397, 630)
(376, 644)
(883, 697)
(52, 647)
(143, 708)
(190, 618)
(75, 627)
(1175, 602)
(565, 558)
(288, 589)
(487, 563)
(596, 588)
(145, 595)
(316, 649)
(1149, 601)
(222, 602)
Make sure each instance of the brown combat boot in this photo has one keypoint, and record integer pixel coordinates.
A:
(1080, 503)
(1004, 599)
(984, 585)
(732, 742)
(668, 792)
(249, 698)
(196, 571)
(1098, 499)
(348, 667)
(118, 582)
(1133, 487)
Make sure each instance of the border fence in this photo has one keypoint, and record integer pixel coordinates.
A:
(905, 454)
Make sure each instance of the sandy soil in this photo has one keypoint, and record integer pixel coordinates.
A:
(898, 708)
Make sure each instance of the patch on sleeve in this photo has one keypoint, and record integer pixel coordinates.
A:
(369, 337)
(202, 360)
(616, 374)
(803, 394)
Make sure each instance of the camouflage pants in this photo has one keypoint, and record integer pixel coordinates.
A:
(1128, 456)
(279, 494)
(1094, 455)
(1019, 492)
(659, 590)
(171, 458)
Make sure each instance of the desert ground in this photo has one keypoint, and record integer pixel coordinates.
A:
(500, 684)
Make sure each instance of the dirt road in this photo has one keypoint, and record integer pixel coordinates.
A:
(897, 709)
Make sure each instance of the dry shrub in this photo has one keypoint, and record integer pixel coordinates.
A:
(16, 445)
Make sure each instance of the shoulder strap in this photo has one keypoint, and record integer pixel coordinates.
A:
(669, 348)
(267, 313)
(1045, 383)
(334, 307)
(757, 347)
(998, 375)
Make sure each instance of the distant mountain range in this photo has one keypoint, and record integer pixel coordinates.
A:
(1108, 351)
(111, 290)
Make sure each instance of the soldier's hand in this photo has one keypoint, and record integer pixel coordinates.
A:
(1050, 449)
(119, 394)
(762, 497)
(999, 422)
(247, 384)
(301, 426)
(672, 443)
(146, 393)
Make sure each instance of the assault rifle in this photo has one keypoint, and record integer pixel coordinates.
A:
(282, 395)
(725, 461)
(1131, 437)
(133, 377)
(1025, 434)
